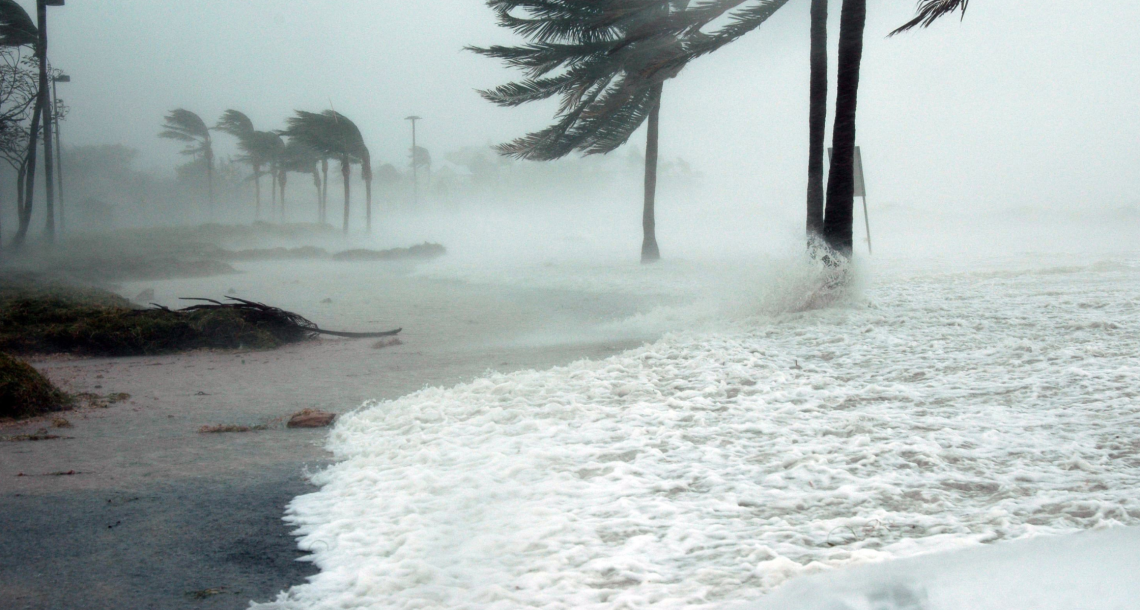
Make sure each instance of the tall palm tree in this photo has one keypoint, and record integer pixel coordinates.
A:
(608, 60)
(299, 158)
(186, 126)
(817, 118)
(251, 143)
(838, 216)
(333, 136)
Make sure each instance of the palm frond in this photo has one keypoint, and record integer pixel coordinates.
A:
(16, 26)
(235, 123)
(930, 11)
(183, 125)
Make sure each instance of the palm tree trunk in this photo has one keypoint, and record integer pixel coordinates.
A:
(257, 191)
(366, 174)
(317, 183)
(649, 251)
(346, 173)
(28, 188)
(841, 180)
(284, 180)
(273, 193)
(210, 173)
(817, 118)
(324, 191)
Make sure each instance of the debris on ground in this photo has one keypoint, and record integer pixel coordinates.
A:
(224, 428)
(389, 342)
(311, 418)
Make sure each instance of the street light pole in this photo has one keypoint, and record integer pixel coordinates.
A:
(415, 165)
(45, 105)
(62, 78)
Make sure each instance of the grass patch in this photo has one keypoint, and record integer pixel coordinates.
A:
(24, 392)
(44, 319)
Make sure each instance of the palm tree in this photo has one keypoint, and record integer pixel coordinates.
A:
(614, 57)
(185, 126)
(841, 179)
(817, 118)
(252, 143)
(333, 136)
(299, 158)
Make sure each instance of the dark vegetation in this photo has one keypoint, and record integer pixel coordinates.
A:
(24, 392)
(54, 318)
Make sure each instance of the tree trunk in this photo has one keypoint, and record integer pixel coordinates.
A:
(210, 174)
(841, 180)
(346, 173)
(44, 103)
(273, 191)
(366, 174)
(324, 191)
(317, 183)
(284, 179)
(649, 251)
(817, 118)
(28, 188)
(257, 191)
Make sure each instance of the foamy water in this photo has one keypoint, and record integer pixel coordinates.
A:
(932, 411)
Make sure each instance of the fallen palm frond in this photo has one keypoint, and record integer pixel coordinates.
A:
(261, 313)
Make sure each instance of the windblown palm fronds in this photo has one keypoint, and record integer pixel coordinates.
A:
(930, 11)
(332, 135)
(186, 126)
(235, 123)
(16, 26)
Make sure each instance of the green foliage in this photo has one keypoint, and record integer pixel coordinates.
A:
(16, 26)
(329, 134)
(185, 126)
(93, 322)
(604, 59)
(24, 392)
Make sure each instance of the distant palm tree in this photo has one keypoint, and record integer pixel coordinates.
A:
(299, 158)
(16, 26)
(930, 11)
(333, 136)
(252, 144)
(185, 126)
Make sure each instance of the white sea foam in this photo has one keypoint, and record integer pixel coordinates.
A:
(934, 412)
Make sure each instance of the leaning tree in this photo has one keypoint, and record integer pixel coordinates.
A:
(185, 126)
(332, 136)
(607, 62)
(299, 158)
(20, 92)
(257, 147)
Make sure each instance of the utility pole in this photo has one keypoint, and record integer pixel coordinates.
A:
(45, 105)
(62, 78)
(415, 162)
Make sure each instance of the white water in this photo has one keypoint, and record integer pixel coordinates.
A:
(930, 412)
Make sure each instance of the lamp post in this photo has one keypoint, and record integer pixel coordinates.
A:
(41, 52)
(62, 78)
(415, 165)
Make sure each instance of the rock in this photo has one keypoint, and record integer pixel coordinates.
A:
(311, 418)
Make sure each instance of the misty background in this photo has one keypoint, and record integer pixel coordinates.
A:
(1023, 108)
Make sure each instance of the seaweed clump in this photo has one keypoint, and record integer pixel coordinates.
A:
(25, 392)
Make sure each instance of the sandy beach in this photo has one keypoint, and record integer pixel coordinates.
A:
(160, 516)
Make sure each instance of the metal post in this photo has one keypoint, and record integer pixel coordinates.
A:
(62, 78)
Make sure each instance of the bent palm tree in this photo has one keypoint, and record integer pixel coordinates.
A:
(299, 158)
(838, 216)
(608, 60)
(251, 143)
(331, 135)
(17, 30)
(185, 126)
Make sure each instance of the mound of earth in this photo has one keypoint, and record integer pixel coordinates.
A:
(24, 392)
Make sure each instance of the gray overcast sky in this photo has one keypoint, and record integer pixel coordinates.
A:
(1026, 102)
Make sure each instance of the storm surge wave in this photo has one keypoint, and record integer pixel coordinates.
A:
(934, 412)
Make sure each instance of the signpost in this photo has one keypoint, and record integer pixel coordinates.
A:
(860, 191)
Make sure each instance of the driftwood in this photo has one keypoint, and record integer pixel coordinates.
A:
(267, 313)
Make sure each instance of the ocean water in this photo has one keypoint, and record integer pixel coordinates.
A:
(775, 430)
